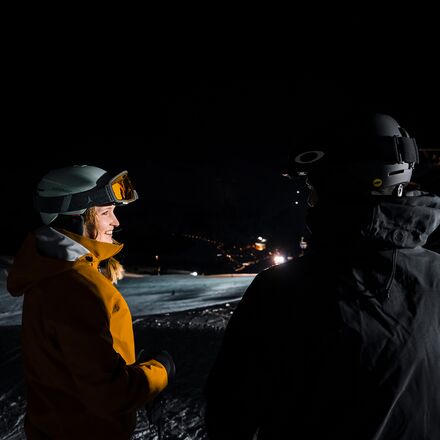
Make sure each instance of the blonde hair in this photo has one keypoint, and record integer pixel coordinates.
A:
(110, 268)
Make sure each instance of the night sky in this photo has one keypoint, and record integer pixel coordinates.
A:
(206, 156)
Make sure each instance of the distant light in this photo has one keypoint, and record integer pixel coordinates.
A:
(194, 274)
(259, 246)
(297, 192)
(296, 202)
(279, 259)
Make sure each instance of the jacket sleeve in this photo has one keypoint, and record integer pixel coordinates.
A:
(235, 386)
(79, 325)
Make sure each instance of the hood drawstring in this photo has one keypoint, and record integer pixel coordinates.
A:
(385, 291)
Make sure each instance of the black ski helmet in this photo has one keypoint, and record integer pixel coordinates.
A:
(363, 154)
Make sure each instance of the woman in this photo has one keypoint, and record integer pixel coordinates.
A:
(100, 222)
(82, 379)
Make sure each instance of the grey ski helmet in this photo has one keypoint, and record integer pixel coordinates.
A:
(71, 190)
(366, 154)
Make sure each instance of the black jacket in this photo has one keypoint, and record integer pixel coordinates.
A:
(343, 343)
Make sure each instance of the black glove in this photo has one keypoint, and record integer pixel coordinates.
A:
(167, 361)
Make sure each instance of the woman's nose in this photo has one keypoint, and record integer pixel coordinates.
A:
(115, 221)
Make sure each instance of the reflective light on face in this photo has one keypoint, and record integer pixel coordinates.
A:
(105, 223)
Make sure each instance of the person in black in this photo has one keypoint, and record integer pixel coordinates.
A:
(344, 342)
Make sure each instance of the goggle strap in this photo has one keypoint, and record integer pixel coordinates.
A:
(409, 150)
(73, 202)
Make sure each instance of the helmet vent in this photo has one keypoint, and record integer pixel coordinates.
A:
(396, 172)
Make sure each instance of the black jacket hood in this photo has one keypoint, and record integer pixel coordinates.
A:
(379, 221)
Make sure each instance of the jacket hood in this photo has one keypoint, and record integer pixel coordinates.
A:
(404, 222)
(48, 252)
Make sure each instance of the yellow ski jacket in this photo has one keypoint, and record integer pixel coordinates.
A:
(77, 341)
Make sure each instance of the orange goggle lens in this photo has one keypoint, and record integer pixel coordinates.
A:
(122, 188)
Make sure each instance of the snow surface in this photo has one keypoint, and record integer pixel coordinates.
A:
(184, 314)
(193, 337)
(152, 295)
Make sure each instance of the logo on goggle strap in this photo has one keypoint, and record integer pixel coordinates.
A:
(309, 156)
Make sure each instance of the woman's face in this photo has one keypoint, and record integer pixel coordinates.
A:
(105, 223)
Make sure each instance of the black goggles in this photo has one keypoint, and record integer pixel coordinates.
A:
(118, 191)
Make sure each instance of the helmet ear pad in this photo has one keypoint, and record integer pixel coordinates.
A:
(71, 223)
(48, 219)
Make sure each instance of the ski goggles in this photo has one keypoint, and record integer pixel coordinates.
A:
(117, 191)
(121, 189)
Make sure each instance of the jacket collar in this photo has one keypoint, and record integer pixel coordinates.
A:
(100, 250)
(68, 246)
(382, 222)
